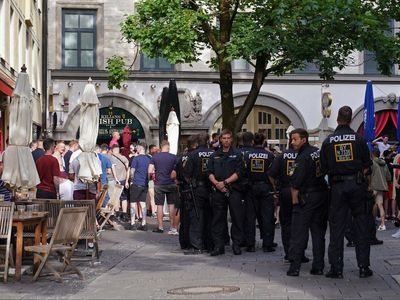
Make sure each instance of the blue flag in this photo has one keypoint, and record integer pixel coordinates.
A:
(369, 115)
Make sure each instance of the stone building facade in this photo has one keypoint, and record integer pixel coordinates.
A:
(21, 25)
(83, 34)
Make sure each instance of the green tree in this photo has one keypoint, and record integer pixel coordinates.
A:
(274, 36)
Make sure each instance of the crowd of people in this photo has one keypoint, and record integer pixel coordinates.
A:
(303, 188)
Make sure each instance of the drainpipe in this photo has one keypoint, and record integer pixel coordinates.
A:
(44, 65)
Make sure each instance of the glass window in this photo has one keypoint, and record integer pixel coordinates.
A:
(79, 39)
(155, 64)
(370, 63)
(240, 65)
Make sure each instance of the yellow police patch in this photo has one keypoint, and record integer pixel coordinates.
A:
(344, 152)
(290, 166)
(256, 165)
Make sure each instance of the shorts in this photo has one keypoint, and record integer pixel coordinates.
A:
(170, 191)
(378, 197)
(138, 193)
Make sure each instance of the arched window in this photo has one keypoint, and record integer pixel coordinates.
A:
(263, 119)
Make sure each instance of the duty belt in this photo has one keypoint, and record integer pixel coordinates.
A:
(258, 182)
(201, 183)
(314, 189)
(344, 177)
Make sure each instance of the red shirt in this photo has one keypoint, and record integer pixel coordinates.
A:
(47, 167)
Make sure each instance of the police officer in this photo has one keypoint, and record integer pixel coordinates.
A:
(346, 159)
(185, 202)
(200, 213)
(224, 170)
(308, 189)
(258, 200)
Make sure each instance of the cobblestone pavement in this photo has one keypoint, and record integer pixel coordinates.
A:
(145, 265)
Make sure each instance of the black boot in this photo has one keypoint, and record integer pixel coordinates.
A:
(217, 251)
(334, 273)
(365, 272)
(294, 270)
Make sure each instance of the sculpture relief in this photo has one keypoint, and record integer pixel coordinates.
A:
(193, 112)
(190, 106)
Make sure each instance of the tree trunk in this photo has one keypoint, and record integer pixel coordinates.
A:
(258, 79)
(225, 84)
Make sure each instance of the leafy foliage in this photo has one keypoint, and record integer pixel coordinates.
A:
(117, 73)
(275, 36)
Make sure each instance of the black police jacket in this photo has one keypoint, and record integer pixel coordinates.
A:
(283, 166)
(181, 161)
(258, 161)
(224, 164)
(196, 165)
(344, 152)
(307, 173)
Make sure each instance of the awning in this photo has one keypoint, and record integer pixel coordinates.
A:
(6, 84)
(5, 89)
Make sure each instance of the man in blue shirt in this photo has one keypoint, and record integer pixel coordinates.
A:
(139, 184)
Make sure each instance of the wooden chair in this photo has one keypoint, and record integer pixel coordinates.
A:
(105, 213)
(53, 207)
(102, 197)
(63, 242)
(89, 231)
(6, 218)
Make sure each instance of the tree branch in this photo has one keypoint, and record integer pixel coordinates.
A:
(215, 44)
(234, 13)
(258, 79)
(284, 63)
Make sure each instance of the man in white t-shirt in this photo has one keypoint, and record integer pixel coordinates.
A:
(384, 145)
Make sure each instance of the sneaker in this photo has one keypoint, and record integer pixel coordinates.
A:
(158, 230)
(142, 228)
(381, 228)
(396, 235)
(173, 231)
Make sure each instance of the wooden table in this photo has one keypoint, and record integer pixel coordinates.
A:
(39, 220)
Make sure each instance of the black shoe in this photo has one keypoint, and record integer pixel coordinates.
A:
(316, 272)
(142, 228)
(350, 244)
(132, 227)
(365, 272)
(376, 242)
(227, 243)
(334, 274)
(268, 249)
(193, 252)
(293, 271)
(305, 259)
(236, 250)
(251, 249)
(274, 245)
(217, 251)
(158, 230)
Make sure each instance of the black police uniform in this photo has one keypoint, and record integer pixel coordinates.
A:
(223, 165)
(281, 170)
(311, 212)
(344, 157)
(184, 205)
(200, 212)
(259, 200)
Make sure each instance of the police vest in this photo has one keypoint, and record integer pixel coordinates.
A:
(258, 162)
